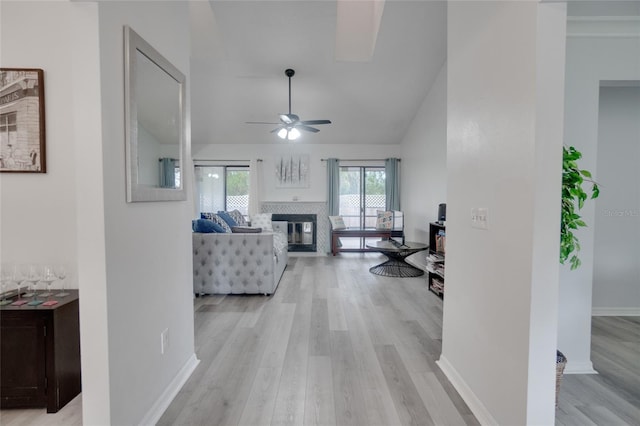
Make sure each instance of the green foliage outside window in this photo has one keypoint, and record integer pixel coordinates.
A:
(374, 182)
(237, 182)
(349, 182)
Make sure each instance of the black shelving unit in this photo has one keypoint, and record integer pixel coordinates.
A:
(435, 260)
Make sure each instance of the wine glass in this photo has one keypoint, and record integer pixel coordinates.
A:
(18, 279)
(7, 275)
(61, 273)
(32, 274)
(48, 277)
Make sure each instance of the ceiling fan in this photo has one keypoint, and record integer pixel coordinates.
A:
(290, 124)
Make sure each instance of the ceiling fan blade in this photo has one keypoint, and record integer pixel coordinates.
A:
(289, 118)
(285, 118)
(275, 130)
(259, 122)
(307, 128)
(314, 122)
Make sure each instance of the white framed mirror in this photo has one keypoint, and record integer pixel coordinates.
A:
(154, 123)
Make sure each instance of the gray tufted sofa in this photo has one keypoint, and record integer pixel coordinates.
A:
(238, 263)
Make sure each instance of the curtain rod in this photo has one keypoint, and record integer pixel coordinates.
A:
(359, 159)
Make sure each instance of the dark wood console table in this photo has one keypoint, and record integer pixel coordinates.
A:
(355, 232)
(40, 354)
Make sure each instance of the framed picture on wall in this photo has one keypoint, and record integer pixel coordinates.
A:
(22, 131)
(292, 171)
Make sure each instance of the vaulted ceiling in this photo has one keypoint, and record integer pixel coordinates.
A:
(240, 50)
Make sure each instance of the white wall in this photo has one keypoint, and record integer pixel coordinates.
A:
(37, 211)
(148, 245)
(590, 59)
(424, 162)
(133, 261)
(616, 264)
(271, 153)
(58, 216)
(505, 63)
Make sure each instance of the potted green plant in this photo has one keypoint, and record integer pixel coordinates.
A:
(573, 198)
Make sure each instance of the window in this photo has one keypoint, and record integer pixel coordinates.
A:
(223, 188)
(362, 193)
(8, 136)
(178, 175)
(8, 123)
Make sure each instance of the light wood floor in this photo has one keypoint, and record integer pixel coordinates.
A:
(611, 397)
(335, 345)
(338, 345)
(69, 415)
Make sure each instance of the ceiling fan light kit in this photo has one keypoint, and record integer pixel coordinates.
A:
(290, 124)
(289, 133)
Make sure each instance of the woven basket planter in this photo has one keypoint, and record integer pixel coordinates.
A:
(561, 362)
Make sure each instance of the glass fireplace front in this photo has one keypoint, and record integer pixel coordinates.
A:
(301, 230)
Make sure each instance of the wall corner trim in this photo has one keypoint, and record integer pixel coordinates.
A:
(475, 405)
(157, 410)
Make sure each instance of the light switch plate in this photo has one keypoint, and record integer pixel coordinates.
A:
(480, 218)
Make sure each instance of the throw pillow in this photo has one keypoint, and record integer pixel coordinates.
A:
(206, 226)
(384, 220)
(216, 219)
(238, 217)
(262, 220)
(227, 218)
(337, 222)
(246, 230)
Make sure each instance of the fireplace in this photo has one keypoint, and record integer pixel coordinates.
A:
(301, 231)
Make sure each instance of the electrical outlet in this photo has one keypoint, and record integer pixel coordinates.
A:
(164, 341)
(480, 218)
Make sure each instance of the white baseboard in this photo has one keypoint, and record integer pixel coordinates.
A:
(615, 312)
(161, 404)
(475, 405)
(585, 367)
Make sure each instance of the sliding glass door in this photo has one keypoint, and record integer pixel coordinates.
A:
(222, 188)
(362, 193)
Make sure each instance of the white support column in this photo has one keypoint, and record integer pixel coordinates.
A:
(505, 98)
